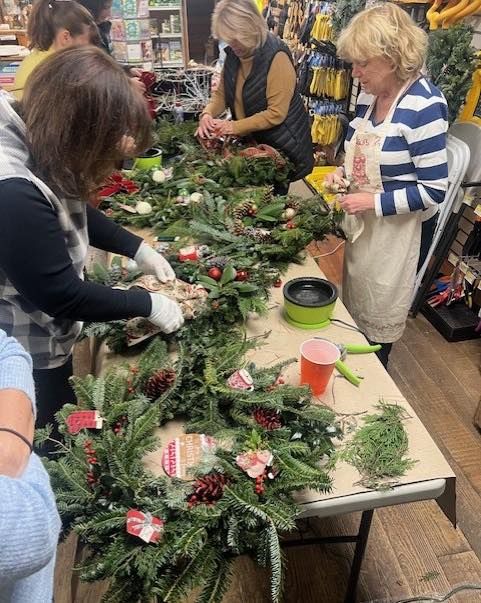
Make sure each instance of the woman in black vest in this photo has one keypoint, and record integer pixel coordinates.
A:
(258, 85)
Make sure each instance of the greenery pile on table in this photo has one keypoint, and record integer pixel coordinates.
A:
(159, 537)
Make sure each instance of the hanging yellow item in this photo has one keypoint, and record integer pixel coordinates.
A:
(433, 13)
(472, 107)
(472, 8)
(450, 11)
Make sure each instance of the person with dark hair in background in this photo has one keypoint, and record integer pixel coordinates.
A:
(54, 25)
(101, 12)
(51, 164)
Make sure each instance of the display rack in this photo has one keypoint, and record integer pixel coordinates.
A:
(151, 34)
(168, 33)
(324, 80)
(456, 322)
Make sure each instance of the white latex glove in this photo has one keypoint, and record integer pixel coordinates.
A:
(151, 262)
(166, 313)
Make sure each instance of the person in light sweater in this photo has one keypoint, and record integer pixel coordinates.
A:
(29, 521)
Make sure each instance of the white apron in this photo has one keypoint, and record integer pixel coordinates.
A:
(381, 253)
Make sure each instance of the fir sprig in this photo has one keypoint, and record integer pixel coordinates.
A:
(379, 449)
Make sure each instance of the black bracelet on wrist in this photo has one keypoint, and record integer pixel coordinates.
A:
(19, 435)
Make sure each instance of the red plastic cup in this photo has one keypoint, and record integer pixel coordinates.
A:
(318, 358)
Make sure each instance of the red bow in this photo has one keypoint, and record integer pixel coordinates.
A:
(115, 184)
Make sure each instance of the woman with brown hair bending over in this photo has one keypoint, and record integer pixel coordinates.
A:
(56, 149)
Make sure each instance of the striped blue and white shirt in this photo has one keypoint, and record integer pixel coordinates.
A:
(414, 166)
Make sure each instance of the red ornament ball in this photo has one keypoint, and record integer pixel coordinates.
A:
(215, 273)
(278, 283)
(291, 225)
(242, 275)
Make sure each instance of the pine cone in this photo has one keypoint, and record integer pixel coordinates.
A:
(246, 208)
(260, 235)
(208, 489)
(217, 262)
(159, 383)
(238, 228)
(266, 418)
(268, 195)
(294, 204)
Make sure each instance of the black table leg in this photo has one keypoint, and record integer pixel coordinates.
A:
(361, 543)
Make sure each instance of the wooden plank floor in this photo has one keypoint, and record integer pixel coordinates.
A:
(413, 549)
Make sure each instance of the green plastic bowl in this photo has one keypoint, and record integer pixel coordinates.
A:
(309, 302)
(152, 158)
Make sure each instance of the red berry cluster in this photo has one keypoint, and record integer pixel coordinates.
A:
(260, 489)
(130, 388)
(208, 489)
(120, 424)
(215, 273)
(91, 460)
(242, 275)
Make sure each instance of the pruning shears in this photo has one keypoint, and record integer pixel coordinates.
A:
(469, 289)
(351, 348)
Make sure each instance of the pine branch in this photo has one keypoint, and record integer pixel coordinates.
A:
(207, 233)
(189, 544)
(189, 577)
(103, 523)
(266, 513)
(217, 583)
(275, 556)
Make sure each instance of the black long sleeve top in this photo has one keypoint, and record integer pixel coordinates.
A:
(35, 259)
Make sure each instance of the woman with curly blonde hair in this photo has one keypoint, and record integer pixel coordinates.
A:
(396, 163)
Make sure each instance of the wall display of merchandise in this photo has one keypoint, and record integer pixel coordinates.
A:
(150, 33)
(309, 29)
(168, 32)
(14, 16)
(15, 13)
(131, 33)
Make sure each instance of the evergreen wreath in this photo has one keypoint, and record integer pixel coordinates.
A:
(195, 529)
